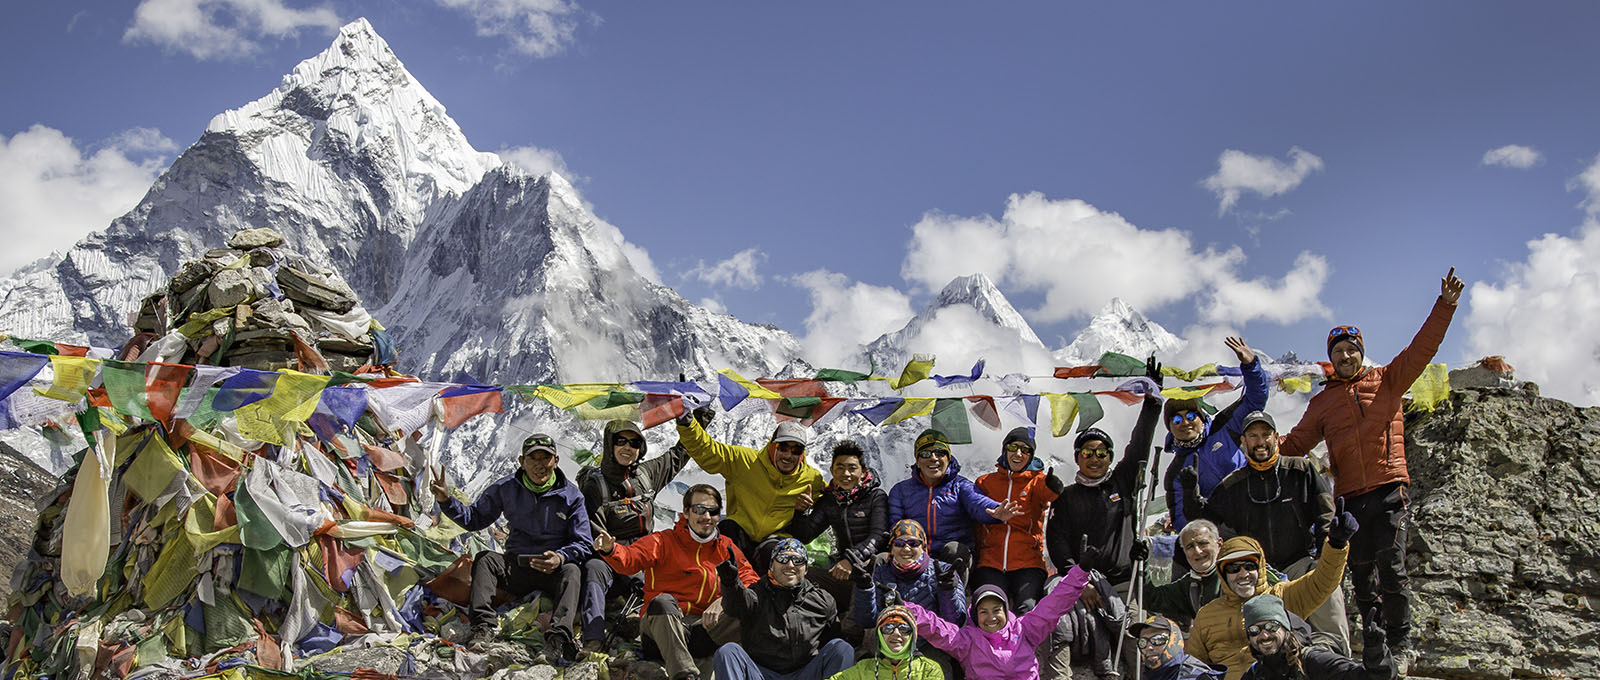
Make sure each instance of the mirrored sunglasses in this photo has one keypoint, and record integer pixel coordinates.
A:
(1263, 627)
(1013, 447)
(1179, 418)
(1095, 453)
(712, 510)
(906, 543)
(895, 628)
(1157, 641)
(791, 558)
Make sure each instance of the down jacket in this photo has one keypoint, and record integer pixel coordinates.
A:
(622, 498)
(1018, 543)
(783, 627)
(1287, 507)
(1217, 452)
(1009, 652)
(673, 562)
(1102, 512)
(858, 526)
(1360, 417)
(920, 586)
(760, 499)
(1217, 636)
(946, 510)
(554, 520)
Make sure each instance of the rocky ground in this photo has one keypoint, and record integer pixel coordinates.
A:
(22, 483)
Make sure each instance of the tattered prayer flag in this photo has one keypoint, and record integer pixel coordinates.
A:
(1024, 407)
(1089, 410)
(345, 404)
(971, 377)
(246, 387)
(1432, 387)
(294, 397)
(17, 368)
(911, 408)
(799, 387)
(734, 388)
(1063, 408)
(1077, 371)
(1293, 384)
(204, 378)
(694, 396)
(614, 399)
(1116, 365)
(984, 410)
(841, 375)
(35, 346)
(462, 402)
(1124, 396)
(163, 383)
(148, 391)
(72, 376)
(917, 370)
(660, 408)
(950, 417)
(883, 409)
(1191, 375)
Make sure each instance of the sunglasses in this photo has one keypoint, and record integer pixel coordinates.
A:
(1242, 565)
(1157, 641)
(895, 629)
(1095, 453)
(790, 558)
(625, 440)
(1263, 627)
(929, 453)
(1014, 447)
(1179, 418)
(1341, 331)
(712, 510)
(906, 543)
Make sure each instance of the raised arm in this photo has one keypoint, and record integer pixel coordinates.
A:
(1408, 365)
(937, 631)
(1037, 623)
(713, 456)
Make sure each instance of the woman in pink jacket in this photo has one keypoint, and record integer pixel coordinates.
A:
(996, 644)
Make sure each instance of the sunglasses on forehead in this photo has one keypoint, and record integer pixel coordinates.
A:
(1341, 331)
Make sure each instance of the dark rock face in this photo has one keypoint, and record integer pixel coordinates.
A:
(22, 484)
(1505, 551)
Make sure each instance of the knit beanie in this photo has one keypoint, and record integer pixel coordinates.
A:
(1265, 608)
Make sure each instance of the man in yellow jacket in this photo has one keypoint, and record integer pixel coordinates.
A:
(1218, 636)
(764, 486)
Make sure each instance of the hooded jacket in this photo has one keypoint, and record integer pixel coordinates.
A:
(858, 526)
(673, 562)
(1287, 507)
(621, 498)
(554, 520)
(1217, 452)
(1360, 417)
(1217, 636)
(946, 510)
(1102, 512)
(1182, 598)
(919, 586)
(1019, 542)
(783, 628)
(1317, 663)
(760, 499)
(881, 667)
(1009, 652)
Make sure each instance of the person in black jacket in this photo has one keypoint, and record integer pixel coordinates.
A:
(783, 620)
(856, 507)
(1284, 503)
(620, 494)
(1282, 654)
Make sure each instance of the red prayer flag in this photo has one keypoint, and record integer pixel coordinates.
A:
(162, 384)
(798, 387)
(660, 408)
(1124, 396)
(983, 408)
(1077, 371)
(462, 403)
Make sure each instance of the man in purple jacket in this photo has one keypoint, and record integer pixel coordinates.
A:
(549, 539)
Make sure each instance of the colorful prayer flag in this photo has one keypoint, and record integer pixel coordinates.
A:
(950, 417)
(917, 370)
(462, 402)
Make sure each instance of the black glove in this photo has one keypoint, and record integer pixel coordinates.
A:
(1053, 483)
(1152, 370)
(861, 577)
(1343, 526)
(1189, 479)
(728, 568)
(1372, 634)
(1140, 550)
(947, 578)
(704, 414)
(1088, 556)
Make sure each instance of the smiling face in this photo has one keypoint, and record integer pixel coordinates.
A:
(904, 553)
(1094, 459)
(539, 465)
(847, 472)
(700, 516)
(1268, 639)
(625, 447)
(895, 636)
(991, 615)
(1201, 547)
(1243, 577)
(1346, 358)
(1153, 644)
(1188, 425)
(933, 467)
(1260, 442)
(786, 574)
(787, 456)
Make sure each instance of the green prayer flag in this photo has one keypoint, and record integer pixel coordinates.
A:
(1116, 365)
(950, 417)
(255, 530)
(227, 624)
(266, 572)
(35, 346)
(1089, 409)
(614, 399)
(125, 387)
(840, 375)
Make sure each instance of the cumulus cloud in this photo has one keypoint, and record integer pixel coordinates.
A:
(1238, 172)
(740, 271)
(846, 315)
(536, 160)
(712, 304)
(1544, 312)
(222, 29)
(1080, 257)
(1513, 156)
(537, 28)
(52, 192)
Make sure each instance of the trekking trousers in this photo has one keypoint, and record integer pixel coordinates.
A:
(1378, 556)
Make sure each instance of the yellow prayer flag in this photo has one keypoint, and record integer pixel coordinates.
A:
(754, 388)
(1432, 387)
(294, 397)
(152, 472)
(920, 367)
(1299, 383)
(72, 376)
(1186, 392)
(197, 526)
(567, 396)
(1190, 375)
(1063, 409)
(910, 408)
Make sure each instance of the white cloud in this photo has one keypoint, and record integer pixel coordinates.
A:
(222, 29)
(1080, 257)
(53, 193)
(712, 304)
(1238, 172)
(1544, 313)
(739, 271)
(846, 315)
(1513, 156)
(536, 160)
(538, 28)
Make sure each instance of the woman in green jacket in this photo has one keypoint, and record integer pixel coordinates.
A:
(896, 657)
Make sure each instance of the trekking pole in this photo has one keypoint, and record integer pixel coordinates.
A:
(1136, 584)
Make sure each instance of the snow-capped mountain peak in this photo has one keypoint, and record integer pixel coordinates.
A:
(1118, 327)
(969, 319)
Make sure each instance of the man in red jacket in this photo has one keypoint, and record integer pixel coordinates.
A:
(681, 591)
(1358, 414)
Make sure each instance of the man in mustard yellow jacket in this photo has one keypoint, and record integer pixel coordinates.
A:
(764, 486)
(1218, 636)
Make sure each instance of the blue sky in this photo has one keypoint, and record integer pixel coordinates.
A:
(881, 143)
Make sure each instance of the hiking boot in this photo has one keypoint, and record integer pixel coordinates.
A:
(1403, 654)
(597, 646)
(559, 650)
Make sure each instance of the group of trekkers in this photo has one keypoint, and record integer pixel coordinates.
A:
(943, 576)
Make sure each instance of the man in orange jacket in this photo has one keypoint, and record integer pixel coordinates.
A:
(1358, 414)
(681, 592)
